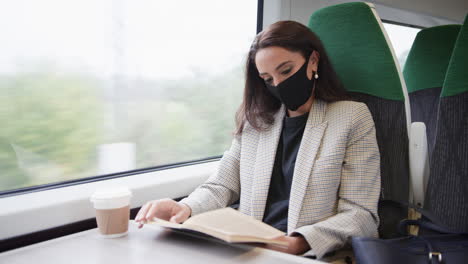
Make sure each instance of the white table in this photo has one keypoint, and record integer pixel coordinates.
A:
(146, 245)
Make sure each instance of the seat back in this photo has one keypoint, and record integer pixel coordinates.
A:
(424, 73)
(362, 56)
(447, 190)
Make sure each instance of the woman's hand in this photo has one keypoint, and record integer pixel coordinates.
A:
(166, 209)
(296, 245)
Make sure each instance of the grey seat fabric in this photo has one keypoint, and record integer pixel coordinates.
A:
(447, 190)
(358, 47)
(424, 73)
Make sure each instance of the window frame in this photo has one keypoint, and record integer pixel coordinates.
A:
(33, 212)
(401, 24)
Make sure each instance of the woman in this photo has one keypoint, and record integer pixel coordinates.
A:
(317, 153)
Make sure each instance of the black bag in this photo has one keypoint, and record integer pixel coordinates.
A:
(446, 246)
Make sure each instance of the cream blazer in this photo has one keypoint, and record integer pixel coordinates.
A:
(336, 181)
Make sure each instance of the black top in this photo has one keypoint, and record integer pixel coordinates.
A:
(276, 209)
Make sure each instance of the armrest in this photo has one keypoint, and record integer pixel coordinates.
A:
(418, 162)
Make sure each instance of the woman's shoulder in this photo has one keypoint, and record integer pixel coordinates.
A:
(353, 113)
(248, 131)
(347, 107)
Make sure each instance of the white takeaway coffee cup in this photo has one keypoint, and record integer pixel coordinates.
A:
(112, 211)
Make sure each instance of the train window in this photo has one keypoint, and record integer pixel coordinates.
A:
(97, 87)
(402, 38)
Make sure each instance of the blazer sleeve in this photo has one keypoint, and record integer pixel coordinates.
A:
(222, 188)
(358, 193)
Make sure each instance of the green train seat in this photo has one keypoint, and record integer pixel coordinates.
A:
(363, 58)
(424, 73)
(447, 189)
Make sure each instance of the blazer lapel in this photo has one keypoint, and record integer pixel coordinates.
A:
(310, 144)
(266, 153)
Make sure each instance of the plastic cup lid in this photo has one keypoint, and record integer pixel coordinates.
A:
(111, 193)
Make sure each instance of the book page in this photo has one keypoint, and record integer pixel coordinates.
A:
(232, 222)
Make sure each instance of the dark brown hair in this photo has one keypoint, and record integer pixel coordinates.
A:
(259, 105)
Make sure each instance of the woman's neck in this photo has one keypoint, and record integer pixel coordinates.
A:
(302, 109)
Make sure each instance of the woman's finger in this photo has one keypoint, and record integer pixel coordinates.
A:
(178, 217)
(142, 212)
(151, 211)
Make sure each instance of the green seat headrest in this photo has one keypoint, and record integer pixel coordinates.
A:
(358, 49)
(456, 78)
(429, 57)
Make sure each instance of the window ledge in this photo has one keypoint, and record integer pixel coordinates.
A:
(31, 212)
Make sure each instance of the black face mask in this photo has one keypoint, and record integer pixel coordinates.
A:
(294, 91)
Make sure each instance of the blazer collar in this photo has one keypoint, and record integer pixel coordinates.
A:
(317, 113)
(310, 144)
(266, 153)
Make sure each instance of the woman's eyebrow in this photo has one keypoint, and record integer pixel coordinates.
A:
(277, 67)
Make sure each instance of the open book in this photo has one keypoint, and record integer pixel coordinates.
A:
(228, 225)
